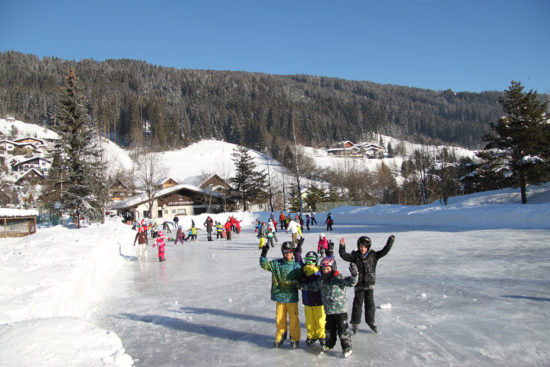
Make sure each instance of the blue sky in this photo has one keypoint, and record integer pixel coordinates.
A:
(463, 45)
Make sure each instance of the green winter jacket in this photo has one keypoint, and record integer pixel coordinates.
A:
(333, 291)
(283, 273)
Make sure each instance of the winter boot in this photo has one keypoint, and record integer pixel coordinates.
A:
(294, 344)
(373, 328)
(354, 328)
(310, 341)
(347, 352)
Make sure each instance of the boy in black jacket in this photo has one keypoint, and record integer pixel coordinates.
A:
(366, 261)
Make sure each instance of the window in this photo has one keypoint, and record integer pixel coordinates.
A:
(182, 211)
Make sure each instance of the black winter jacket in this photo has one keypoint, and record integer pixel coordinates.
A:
(366, 266)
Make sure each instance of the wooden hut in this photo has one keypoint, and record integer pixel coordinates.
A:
(17, 222)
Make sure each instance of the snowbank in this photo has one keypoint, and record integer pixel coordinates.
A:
(494, 209)
(50, 282)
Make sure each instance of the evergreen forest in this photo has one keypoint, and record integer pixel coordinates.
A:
(133, 102)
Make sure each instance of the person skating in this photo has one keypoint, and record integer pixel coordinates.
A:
(329, 221)
(294, 229)
(143, 241)
(313, 303)
(180, 236)
(271, 235)
(282, 219)
(366, 261)
(262, 234)
(285, 273)
(228, 229)
(313, 220)
(219, 230)
(160, 243)
(209, 224)
(322, 245)
(333, 292)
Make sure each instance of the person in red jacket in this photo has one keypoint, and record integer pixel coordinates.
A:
(228, 229)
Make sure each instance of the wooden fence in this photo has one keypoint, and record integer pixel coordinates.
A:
(17, 226)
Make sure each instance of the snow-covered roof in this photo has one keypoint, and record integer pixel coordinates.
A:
(32, 159)
(7, 212)
(37, 172)
(142, 198)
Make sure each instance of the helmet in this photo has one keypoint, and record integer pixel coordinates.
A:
(322, 235)
(287, 246)
(328, 261)
(311, 258)
(364, 240)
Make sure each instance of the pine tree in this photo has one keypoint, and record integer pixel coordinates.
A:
(314, 195)
(249, 183)
(83, 191)
(521, 143)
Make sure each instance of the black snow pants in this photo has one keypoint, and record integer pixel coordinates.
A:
(366, 296)
(337, 325)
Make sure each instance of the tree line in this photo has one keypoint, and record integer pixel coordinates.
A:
(133, 102)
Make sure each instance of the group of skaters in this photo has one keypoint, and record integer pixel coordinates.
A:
(232, 225)
(323, 290)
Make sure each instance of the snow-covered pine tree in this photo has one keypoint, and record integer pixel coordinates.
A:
(250, 183)
(84, 192)
(521, 139)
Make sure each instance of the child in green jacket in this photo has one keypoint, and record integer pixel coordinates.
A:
(285, 273)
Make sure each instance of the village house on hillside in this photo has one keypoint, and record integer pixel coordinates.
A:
(349, 149)
(166, 183)
(217, 184)
(120, 190)
(38, 163)
(175, 200)
(31, 176)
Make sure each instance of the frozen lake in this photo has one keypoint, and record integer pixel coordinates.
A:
(449, 298)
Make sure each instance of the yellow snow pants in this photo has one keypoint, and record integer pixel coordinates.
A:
(315, 321)
(262, 242)
(292, 310)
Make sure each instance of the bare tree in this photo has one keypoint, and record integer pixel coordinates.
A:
(149, 176)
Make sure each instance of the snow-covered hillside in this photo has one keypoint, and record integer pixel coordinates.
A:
(206, 157)
(447, 294)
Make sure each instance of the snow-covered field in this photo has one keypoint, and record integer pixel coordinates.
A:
(464, 285)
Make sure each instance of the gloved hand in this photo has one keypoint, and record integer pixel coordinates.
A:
(300, 243)
(265, 249)
(390, 239)
(353, 269)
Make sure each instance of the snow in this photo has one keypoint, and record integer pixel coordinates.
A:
(463, 285)
(25, 130)
(7, 212)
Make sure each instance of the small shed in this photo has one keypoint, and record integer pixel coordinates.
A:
(17, 222)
